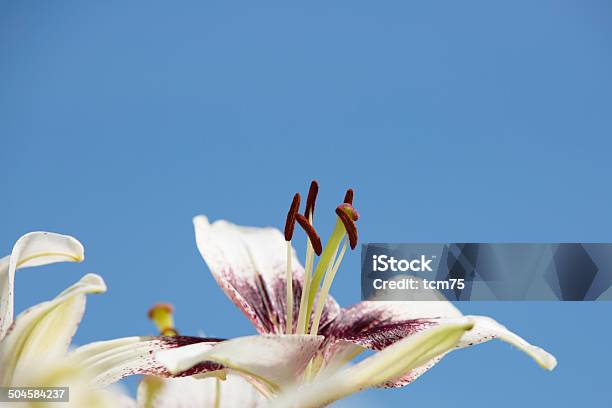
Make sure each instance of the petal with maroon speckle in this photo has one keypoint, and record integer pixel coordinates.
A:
(276, 360)
(401, 357)
(485, 329)
(368, 315)
(377, 325)
(112, 360)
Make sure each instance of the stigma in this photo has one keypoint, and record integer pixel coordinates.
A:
(162, 315)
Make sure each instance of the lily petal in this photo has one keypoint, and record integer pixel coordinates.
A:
(32, 249)
(485, 329)
(376, 325)
(250, 266)
(188, 392)
(109, 361)
(397, 359)
(44, 331)
(274, 360)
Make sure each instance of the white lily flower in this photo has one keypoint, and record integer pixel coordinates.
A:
(258, 270)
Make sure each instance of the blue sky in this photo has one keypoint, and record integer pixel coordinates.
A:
(453, 121)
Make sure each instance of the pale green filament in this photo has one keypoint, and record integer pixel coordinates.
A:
(328, 255)
(302, 325)
(329, 277)
(289, 328)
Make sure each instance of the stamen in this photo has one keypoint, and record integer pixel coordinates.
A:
(348, 215)
(302, 324)
(289, 319)
(329, 277)
(348, 197)
(349, 210)
(161, 315)
(289, 228)
(290, 222)
(312, 197)
(313, 244)
(312, 234)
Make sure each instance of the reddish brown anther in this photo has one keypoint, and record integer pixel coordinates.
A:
(312, 234)
(312, 197)
(349, 210)
(290, 223)
(348, 196)
(348, 219)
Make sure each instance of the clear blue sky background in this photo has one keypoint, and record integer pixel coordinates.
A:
(453, 121)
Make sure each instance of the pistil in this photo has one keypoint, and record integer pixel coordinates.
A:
(329, 277)
(162, 315)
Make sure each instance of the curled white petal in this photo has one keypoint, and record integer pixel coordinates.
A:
(32, 249)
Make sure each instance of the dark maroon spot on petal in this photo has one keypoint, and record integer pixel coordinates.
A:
(203, 367)
(180, 341)
(290, 222)
(256, 299)
(270, 312)
(384, 335)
